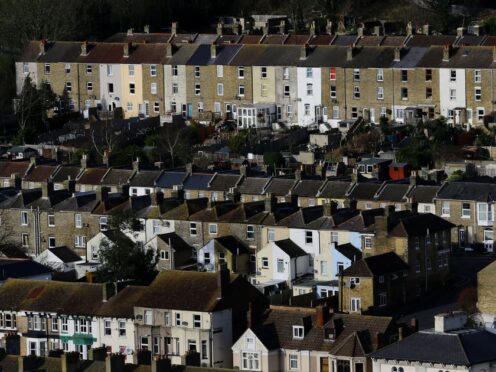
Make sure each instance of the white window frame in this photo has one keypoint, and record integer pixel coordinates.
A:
(153, 70)
(212, 228)
(298, 332)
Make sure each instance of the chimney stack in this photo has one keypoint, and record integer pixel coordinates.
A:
(213, 51)
(15, 181)
(266, 28)
(329, 27)
(360, 30)
(130, 32)
(174, 28)
(146, 29)
(223, 281)
(460, 31)
(42, 46)
(304, 51)
(250, 321)
(270, 202)
(378, 343)
(377, 30)
(446, 53)
(219, 29)
(189, 168)
(115, 363)
(46, 188)
(136, 164)
(282, 27)
(494, 54)
(397, 54)
(84, 48)
(329, 209)
(312, 28)
(426, 29)
(84, 161)
(349, 53)
(161, 364)
(321, 316)
(297, 175)
(414, 324)
(168, 52)
(102, 193)
(400, 333)
(108, 290)
(243, 170)
(70, 362)
(409, 29)
(157, 197)
(127, 48)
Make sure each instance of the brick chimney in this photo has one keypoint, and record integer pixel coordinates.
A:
(97, 353)
(321, 316)
(136, 164)
(397, 54)
(174, 28)
(15, 181)
(84, 161)
(250, 316)
(349, 53)
(378, 341)
(409, 29)
(360, 30)
(460, 31)
(69, 362)
(115, 363)
(126, 50)
(414, 324)
(329, 208)
(213, 51)
(108, 290)
(282, 27)
(70, 184)
(161, 365)
(146, 29)
(446, 53)
(270, 202)
(400, 333)
(47, 188)
(494, 54)
(102, 193)
(329, 27)
(157, 197)
(223, 281)
(243, 170)
(312, 28)
(168, 52)
(84, 48)
(42, 47)
(426, 29)
(219, 29)
(130, 32)
(189, 168)
(304, 51)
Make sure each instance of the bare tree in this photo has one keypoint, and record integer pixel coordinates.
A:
(170, 139)
(106, 140)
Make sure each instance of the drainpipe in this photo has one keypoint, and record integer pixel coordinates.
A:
(345, 97)
(211, 337)
(393, 113)
(79, 87)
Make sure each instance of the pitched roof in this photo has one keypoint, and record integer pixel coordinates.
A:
(276, 331)
(483, 192)
(364, 191)
(253, 185)
(223, 182)
(117, 177)
(51, 296)
(185, 290)
(65, 254)
(393, 192)
(419, 224)
(349, 251)
(168, 179)
(197, 181)
(175, 241)
(145, 178)
(466, 347)
(381, 264)
(280, 186)
(20, 268)
(66, 172)
(7, 168)
(92, 176)
(307, 188)
(232, 244)
(334, 189)
(40, 173)
(289, 247)
(423, 193)
(122, 304)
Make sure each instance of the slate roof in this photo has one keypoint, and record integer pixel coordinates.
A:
(66, 172)
(40, 173)
(19, 268)
(349, 251)
(197, 181)
(175, 241)
(371, 266)
(280, 186)
(121, 305)
(423, 193)
(92, 176)
(7, 168)
(334, 189)
(289, 247)
(145, 178)
(82, 201)
(466, 348)
(364, 191)
(308, 188)
(168, 179)
(65, 254)
(168, 291)
(276, 331)
(253, 185)
(482, 192)
(232, 244)
(393, 192)
(51, 296)
(117, 177)
(419, 224)
(223, 182)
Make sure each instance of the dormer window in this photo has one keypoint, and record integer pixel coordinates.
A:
(298, 332)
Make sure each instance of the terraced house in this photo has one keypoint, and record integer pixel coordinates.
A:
(261, 79)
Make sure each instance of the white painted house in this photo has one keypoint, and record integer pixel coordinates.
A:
(452, 96)
(309, 95)
(281, 261)
(111, 86)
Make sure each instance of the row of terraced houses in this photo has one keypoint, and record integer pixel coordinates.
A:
(262, 79)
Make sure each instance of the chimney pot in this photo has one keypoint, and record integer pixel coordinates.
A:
(146, 29)
(282, 27)
(130, 32)
(169, 51)
(329, 27)
(42, 46)
(446, 53)
(312, 28)
(127, 49)
(84, 48)
(400, 333)
(174, 28)
(349, 53)
(397, 54)
(360, 31)
(213, 51)
(409, 29)
(219, 29)
(460, 31)
(426, 29)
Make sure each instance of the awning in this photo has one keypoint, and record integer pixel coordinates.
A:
(79, 339)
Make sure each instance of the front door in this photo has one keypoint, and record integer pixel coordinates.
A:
(190, 110)
(324, 364)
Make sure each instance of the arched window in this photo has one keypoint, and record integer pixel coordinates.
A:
(400, 369)
(394, 369)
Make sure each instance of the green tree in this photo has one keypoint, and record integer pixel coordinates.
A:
(273, 159)
(121, 258)
(238, 141)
